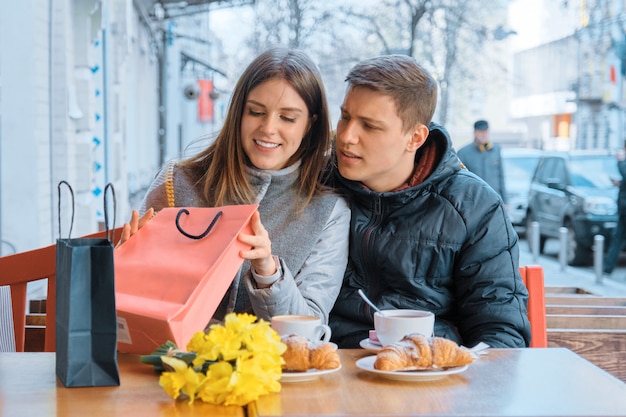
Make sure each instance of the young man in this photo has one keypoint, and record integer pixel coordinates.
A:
(484, 158)
(425, 232)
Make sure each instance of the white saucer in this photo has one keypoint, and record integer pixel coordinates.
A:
(370, 346)
(367, 364)
(306, 376)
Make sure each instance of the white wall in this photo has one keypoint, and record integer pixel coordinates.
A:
(25, 151)
(49, 110)
(141, 116)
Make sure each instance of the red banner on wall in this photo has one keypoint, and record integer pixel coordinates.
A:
(205, 103)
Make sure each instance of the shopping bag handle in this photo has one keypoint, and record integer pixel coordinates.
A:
(110, 231)
(69, 236)
(200, 236)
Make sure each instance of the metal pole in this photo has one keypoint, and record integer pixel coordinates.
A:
(598, 255)
(563, 248)
(534, 238)
(162, 75)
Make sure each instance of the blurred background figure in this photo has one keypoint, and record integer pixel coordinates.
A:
(484, 159)
(617, 242)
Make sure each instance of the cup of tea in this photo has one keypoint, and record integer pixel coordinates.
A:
(310, 327)
(393, 325)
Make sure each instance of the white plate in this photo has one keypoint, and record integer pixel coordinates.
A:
(367, 364)
(306, 376)
(370, 346)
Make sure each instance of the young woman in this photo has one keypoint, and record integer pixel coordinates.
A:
(273, 150)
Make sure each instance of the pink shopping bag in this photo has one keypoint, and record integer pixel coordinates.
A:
(171, 275)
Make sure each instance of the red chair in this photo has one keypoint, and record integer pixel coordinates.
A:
(17, 271)
(532, 276)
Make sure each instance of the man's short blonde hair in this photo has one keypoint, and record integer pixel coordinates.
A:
(411, 87)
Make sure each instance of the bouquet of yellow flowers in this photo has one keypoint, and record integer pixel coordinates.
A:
(232, 364)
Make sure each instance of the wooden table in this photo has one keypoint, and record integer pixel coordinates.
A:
(29, 387)
(505, 382)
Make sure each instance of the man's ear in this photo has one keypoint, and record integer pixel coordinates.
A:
(420, 133)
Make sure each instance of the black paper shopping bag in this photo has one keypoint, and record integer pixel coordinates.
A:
(86, 324)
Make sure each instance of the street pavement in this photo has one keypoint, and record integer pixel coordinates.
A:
(581, 277)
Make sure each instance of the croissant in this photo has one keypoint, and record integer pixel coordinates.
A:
(324, 356)
(296, 356)
(301, 355)
(415, 351)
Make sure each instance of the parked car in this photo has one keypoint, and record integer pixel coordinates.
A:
(574, 190)
(519, 166)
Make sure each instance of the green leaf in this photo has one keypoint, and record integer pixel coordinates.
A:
(154, 358)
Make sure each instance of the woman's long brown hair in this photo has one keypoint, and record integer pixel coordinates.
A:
(221, 168)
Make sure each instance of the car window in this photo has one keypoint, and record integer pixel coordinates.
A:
(560, 171)
(548, 170)
(539, 171)
(580, 181)
(593, 172)
(520, 168)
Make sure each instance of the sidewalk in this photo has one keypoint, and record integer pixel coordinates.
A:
(580, 277)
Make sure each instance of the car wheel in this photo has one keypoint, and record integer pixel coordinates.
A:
(577, 254)
(542, 239)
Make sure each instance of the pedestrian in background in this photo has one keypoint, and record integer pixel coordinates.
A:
(483, 158)
(617, 241)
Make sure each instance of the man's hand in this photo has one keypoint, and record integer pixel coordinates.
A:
(135, 224)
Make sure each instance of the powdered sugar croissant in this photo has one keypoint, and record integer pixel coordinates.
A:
(302, 355)
(324, 356)
(415, 351)
(296, 357)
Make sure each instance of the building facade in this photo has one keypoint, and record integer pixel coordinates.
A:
(78, 94)
(95, 92)
(570, 92)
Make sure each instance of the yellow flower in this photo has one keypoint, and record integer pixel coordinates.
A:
(182, 380)
(234, 363)
(218, 385)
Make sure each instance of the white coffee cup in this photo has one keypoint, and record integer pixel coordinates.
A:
(310, 327)
(395, 324)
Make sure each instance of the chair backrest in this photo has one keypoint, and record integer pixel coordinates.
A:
(7, 337)
(532, 275)
(17, 271)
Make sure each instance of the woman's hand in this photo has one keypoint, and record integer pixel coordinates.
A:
(135, 224)
(260, 255)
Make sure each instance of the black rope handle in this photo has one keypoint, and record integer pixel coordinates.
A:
(69, 236)
(110, 231)
(200, 236)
